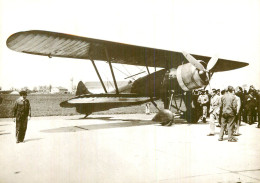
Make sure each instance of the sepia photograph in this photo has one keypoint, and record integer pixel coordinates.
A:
(139, 91)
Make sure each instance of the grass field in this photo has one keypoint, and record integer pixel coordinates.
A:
(49, 105)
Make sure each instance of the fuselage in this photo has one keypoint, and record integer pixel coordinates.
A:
(155, 86)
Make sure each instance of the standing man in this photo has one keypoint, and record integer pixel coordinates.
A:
(228, 109)
(195, 106)
(250, 104)
(22, 111)
(237, 118)
(240, 94)
(213, 111)
(203, 101)
(258, 107)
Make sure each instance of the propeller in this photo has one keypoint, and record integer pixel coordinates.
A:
(193, 61)
(196, 63)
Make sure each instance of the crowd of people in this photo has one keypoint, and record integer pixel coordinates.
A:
(228, 108)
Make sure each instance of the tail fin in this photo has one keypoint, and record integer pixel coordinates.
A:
(82, 89)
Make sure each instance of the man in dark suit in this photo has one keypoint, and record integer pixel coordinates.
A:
(258, 107)
(250, 104)
(241, 95)
(21, 112)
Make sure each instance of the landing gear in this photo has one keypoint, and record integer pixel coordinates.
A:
(86, 115)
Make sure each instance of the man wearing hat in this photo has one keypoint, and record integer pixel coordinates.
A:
(21, 112)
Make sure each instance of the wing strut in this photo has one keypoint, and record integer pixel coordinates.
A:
(100, 79)
(112, 72)
(153, 102)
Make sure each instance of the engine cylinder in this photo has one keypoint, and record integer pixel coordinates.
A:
(189, 78)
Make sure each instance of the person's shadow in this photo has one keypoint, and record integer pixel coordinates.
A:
(28, 140)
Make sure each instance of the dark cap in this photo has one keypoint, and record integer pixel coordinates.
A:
(214, 90)
(23, 93)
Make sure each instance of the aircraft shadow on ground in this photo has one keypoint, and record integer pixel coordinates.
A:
(28, 140)
(122, 124)
(108, 118)
(101, 118)
(5, 133)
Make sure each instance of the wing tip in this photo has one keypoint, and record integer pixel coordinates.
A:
(11, 40)
(227, 65)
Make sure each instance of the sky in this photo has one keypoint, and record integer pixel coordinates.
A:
(229, 29)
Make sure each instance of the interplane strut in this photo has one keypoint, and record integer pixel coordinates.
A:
(112, 71)
(100, 79)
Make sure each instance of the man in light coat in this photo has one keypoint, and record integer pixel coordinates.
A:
(213, 111)
(228, 110)
(203, 101)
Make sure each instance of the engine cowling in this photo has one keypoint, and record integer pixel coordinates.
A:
(190, 78)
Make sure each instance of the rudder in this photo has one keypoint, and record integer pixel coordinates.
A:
(82, 89)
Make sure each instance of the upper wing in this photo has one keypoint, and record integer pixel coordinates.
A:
(70, 46)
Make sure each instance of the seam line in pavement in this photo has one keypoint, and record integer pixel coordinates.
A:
(238, 172)
(81, 128)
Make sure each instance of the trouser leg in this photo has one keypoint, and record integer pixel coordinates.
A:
(23, 128)
(219, 119)
(253, 115)
(204, 111)
(239, 117)
(199, 112)
(237, 124)
(250, 116)
(230, 126)
(212, 123)
(17, 129)
(223, 126)
(245, 115)
(258, 118)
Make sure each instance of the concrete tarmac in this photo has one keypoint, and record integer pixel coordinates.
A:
(124, 149)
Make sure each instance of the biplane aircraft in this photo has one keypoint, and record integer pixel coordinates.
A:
(180, 72)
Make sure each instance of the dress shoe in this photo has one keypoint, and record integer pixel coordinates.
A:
(232, 140)
(210, 134)
(236, 134)
(204, 120)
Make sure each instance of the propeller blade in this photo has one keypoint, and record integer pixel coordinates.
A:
(193, 61)
(212, 63)
(208, 76)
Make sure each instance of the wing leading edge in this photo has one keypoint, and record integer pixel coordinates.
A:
(54, 44)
